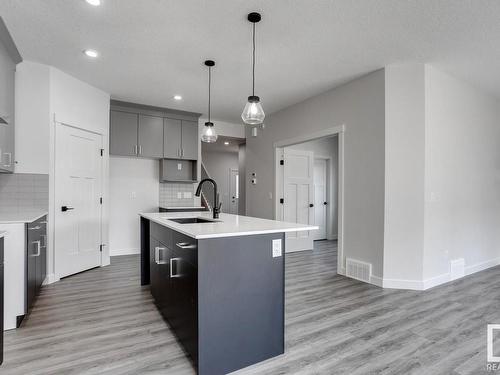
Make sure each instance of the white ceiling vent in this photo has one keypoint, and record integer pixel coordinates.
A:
(358, 270)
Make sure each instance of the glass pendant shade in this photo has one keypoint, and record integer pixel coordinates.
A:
(209, 135)
(253, 113)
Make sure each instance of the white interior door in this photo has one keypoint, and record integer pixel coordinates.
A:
(298, 186)
(233, 191)
(320, 187)
(78, 186)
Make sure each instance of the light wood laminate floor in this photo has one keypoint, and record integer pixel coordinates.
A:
(103, 322)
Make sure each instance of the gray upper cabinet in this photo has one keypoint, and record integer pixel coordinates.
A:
(150, 136)
(172, 141)
(123, 133)
(189, 149)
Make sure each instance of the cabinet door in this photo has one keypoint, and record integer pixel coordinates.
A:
(190, 140)
(154, 276)
(31, 260)
(150, 136)
(172, 135)
(123, 133)
(185, 284)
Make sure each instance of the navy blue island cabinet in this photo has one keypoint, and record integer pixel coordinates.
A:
(223, 297)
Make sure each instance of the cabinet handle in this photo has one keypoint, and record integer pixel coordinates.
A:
(182, 152)
(35, 228)
(172, 260)
(140, 150)
(185, 245)
(38, 248)
(135, 149)
(157, 255)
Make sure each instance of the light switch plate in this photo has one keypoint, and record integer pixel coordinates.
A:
(179, 166)
(276, 248)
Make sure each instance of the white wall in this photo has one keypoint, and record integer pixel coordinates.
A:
(462, 185)
(134, 188)
(46, 90)
(32, 117)
(404, 174)
(242, 179)
(327, 147)
(218, 165)
(360, 106)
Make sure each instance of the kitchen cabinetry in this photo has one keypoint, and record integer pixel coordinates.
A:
(9, 57)
(36, 259)
(1, 297)
(123, 133)
(180, 139)
(143, 131)
(132, 134)
(174, 283)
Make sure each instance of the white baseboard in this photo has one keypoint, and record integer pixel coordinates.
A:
(402, 284)
(51, 279)
(333, 237)
(469, 270)
(376, 280)
(118, 252)
(436, 280)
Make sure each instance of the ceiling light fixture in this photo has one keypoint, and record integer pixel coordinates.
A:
(177, 97)
(226, 143)
(253, 114)
(91, 53)
(209, 135)
(95, 3)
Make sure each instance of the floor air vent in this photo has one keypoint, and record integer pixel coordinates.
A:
(358, 270)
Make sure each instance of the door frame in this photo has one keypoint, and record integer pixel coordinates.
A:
(328, 193)
(278, 180)
(231, 170)
(52, 271)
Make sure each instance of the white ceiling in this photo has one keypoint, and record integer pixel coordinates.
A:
(153, 49)
(219, 146)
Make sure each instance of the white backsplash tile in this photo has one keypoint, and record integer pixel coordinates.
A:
(178, 195)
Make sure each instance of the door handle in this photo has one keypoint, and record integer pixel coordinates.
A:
(311, 205)
(66, 208)
(172, 260)
(325, 203)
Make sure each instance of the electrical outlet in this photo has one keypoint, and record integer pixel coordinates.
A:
(276, 248)
(179, 166)
(133, 195)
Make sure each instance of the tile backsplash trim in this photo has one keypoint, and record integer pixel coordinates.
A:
(22, 192)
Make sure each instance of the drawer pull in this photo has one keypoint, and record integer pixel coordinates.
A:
(38, 248)
(35, 228)
(172, 274)
(157, 255)
(185, 245)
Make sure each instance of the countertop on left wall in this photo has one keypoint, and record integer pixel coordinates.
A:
(21, 217)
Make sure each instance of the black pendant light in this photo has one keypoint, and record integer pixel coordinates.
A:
(253, 114)
(209, 135)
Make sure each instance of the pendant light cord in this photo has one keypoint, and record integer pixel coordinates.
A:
(209, 84)
(253, 62)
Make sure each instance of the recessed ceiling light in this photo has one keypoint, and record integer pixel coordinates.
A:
(91, 53)
(177, 97)
(94, 2)
(226, 143)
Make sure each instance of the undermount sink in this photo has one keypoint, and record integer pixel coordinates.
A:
(192, 220)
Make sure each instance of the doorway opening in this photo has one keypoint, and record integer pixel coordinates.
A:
(309, 189)
(224, 161)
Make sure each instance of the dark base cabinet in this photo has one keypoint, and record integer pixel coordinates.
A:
(222, 297)
(1, 298)
(36, 259)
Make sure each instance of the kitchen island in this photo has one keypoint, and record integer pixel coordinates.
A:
(219, 284)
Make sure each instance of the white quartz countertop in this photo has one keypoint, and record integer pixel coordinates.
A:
(21, 217)
(201, 208)
(227, 226)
